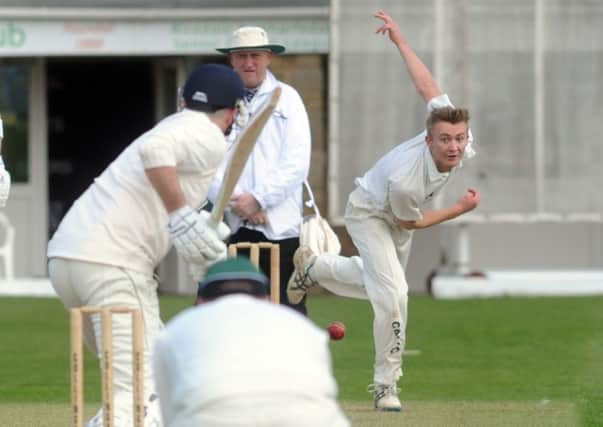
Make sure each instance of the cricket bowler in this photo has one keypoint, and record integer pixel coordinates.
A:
(389, 203)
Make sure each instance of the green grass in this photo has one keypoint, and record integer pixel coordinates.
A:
(416, 413)
(482, 362)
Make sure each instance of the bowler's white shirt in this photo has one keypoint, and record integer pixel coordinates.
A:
(120, 219)
(406, 178)
(278, 164)
(240, 346)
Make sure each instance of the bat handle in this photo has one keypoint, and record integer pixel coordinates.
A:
(215, 218)
(215, 223)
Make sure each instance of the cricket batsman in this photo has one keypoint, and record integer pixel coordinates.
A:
(110, 242)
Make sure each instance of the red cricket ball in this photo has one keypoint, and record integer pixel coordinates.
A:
(336, 330)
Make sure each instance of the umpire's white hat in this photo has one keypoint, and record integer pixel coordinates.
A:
(251, 38)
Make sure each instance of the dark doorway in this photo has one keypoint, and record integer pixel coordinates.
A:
(96, 107)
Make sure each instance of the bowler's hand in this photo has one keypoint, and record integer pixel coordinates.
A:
(244, 205)
(469, 201)
(390, 27)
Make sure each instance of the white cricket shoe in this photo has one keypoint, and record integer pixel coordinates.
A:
(386, 397)
(300, 281)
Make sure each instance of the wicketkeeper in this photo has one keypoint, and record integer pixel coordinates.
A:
(107, 247)
(229, 360)
(389, 203)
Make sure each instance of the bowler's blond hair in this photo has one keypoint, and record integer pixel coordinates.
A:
(446, 114)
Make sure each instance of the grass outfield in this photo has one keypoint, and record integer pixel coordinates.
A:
(494, 362)
(416, 413)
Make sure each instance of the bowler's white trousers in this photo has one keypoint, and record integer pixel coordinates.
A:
(79, 283)
(377, 275)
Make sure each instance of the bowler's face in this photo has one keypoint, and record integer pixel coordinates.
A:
(251, 66)
(447, 144)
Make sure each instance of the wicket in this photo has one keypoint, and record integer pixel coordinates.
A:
(254, 257)
(77, 362)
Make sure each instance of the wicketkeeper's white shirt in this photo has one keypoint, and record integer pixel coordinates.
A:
(120, 219)
(239, 349)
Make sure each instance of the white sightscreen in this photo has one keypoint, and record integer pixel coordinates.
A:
(530, 71)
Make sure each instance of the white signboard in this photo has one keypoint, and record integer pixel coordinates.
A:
(81, 38)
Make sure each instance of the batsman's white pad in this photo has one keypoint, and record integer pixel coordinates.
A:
(123, 416)
(4, 184)
(195, 240)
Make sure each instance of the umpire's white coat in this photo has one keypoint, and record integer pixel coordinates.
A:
(396, 187)
(278, 164)
(109, 243)
(242, 361)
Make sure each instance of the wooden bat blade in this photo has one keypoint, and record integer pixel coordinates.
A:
(242, 149)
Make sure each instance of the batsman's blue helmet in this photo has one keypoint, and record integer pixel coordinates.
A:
(211, 87)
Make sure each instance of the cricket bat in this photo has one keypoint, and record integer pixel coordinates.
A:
(242, 148)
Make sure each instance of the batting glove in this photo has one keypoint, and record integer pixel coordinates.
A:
(198, 271)
(4, 184)
(195, 239)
